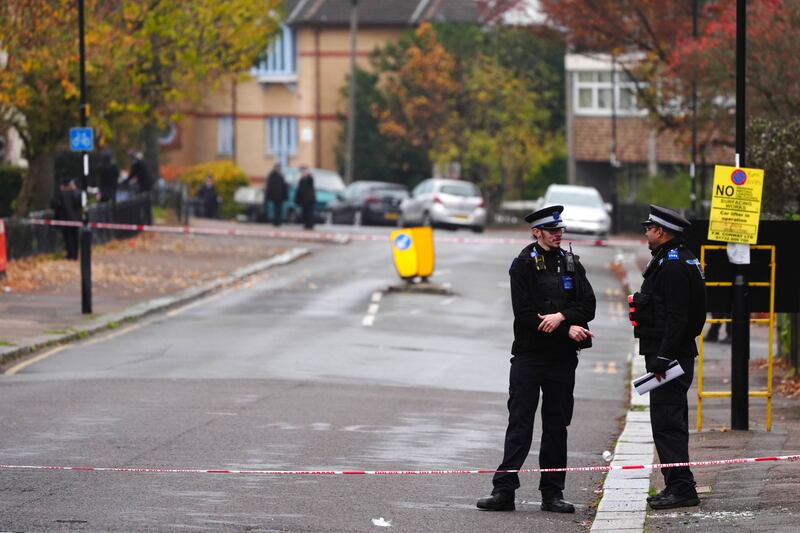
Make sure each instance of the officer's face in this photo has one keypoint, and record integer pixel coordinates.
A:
(655, 236)
(548, 239)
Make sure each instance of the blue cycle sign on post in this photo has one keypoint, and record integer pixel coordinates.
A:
(81, 139)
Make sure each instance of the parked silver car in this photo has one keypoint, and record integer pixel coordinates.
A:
(584, 210)
(445, 203)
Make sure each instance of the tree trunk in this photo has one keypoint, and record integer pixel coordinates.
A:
(38, 184)
(151, 151)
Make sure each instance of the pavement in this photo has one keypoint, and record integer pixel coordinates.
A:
(749, 497)
(739, 497)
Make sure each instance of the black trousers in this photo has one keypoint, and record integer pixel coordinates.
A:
(277, 212)
(307, 214)
(71, 235)
(669, 418)
(556, 381)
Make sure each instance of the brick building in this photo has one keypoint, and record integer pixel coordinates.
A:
(288, 110)
(602, 106)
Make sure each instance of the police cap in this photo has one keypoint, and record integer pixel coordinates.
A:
(666, 218)
(548, 218)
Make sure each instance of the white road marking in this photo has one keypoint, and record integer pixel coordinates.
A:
(372, 310)
(24, 364)
(446, 301)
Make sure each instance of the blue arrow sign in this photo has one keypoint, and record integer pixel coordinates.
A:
(402, 241)
(81, 139)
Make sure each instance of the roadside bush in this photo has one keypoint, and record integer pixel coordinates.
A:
(10, 183)
(227, 178)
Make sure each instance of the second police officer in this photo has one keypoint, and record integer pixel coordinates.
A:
(553, 303)
(667, 314)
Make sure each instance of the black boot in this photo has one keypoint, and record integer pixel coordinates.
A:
(501, 501)
(661, 494)
(557, 504)
(672, 500)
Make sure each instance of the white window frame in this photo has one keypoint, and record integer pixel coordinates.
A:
(595, 85)
(280, 136)
(225, 135)
(279, 63)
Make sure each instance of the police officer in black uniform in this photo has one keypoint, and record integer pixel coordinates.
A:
(667, 314)
(553, 303)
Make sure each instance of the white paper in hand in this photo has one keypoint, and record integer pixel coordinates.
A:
(648, 382)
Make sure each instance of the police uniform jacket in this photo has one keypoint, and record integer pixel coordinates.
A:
(671, 306)
(546, 291)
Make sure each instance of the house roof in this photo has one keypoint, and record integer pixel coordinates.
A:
(381, 12)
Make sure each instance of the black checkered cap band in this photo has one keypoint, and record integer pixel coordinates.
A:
(663, 222)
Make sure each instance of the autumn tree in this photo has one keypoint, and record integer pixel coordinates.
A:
(504, 139)
(420, 94)
(144, 59)
(671, 59)
(495, 92)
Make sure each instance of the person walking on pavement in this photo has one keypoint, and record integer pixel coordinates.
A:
(305, 196)
(66, 204)
(668, 313)
(109, 179)
(139, 173)
(209, 198)
(275, 195)
(553, 303)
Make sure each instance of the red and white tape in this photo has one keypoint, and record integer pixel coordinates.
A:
(603, 468)
(316, 236)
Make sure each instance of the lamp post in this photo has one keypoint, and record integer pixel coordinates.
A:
(351, 99)
(86, 231)
(693, 166)
(740, 347)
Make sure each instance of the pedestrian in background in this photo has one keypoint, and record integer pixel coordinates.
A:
(66, 204)
(275, 194)
(139, 173)
(668, 313)
(553, 303)
(109, 179)
(306, 197)
(209, 198)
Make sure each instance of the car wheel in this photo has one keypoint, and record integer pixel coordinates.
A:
(426, 220)
(358, 218)
(477, 229)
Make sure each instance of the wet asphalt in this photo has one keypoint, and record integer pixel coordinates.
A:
(286, 372)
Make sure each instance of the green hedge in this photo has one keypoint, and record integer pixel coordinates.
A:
(10, 183)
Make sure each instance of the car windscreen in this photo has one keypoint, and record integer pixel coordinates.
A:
(579, 199)
(393, 192)
(328, 181)
(324, 180)
(459, 189)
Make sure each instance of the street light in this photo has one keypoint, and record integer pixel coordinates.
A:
(351, 111)
(86, 231)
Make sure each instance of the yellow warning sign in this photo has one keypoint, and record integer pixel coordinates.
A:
(735, 204)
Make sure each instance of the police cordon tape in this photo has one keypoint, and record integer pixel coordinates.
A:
(603, 468)
(313, 236)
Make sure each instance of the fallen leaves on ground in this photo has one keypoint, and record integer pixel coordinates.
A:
(145, 264)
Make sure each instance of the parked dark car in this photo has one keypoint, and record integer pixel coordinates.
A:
(368, 202)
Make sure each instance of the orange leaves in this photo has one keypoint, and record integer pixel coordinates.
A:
(422, 93)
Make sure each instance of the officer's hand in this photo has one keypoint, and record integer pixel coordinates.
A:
(550, 322)
(658, 366)
(579, 334)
